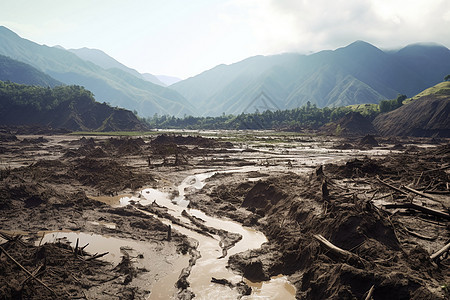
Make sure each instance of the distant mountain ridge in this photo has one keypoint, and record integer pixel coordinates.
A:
(355, 74)
(115, 86)
(167, 80)
(19, 72)
(105, 61)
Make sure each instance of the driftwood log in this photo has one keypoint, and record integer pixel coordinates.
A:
(26, 271)
(426, 210)
(422, 194)
(222, 282)
(347, 255)
(391, 186)
(441, 252)
(369, 294)
(97, 256)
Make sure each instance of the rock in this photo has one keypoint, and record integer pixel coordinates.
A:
(261, 195)
(254, 271)
(243, 288)
(369, 140)
(7, 137)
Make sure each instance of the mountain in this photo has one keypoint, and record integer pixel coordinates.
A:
(167, 80)
(114, 85)
(427, 114)
(16, 71)
(355, 74)
(105, 61)
(69, 107)
(153, 78)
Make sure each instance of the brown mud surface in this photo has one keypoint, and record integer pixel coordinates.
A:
(51, 183)
(344, 203)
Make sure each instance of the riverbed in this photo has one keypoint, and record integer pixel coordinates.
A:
(120, 196)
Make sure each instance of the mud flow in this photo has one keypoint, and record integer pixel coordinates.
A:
(225, 215)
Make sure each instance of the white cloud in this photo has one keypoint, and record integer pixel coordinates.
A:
(183, 38)
(312, 25)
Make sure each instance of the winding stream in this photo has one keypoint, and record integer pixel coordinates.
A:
(209, 264)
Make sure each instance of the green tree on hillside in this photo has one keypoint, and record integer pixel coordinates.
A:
(447, 78)
(400, 100)
(389, 105)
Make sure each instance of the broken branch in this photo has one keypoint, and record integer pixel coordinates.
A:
(26, 271)
(391, 186)
(420, 236)
(76, 248)
(421, 208)
(97, 256)
(369, 295)
(336, 250)
(439, 253)
(437, 169)
(421, 194)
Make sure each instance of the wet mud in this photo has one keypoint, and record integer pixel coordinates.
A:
(299, 192)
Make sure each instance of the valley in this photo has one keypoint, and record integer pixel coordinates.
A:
(358, 73)
(285, 150)
(168, 207)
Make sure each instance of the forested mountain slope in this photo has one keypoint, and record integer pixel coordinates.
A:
(69, 107)
(426, 115)
(355, 74)
(114, 86)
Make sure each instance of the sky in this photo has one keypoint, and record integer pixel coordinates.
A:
(183, 38)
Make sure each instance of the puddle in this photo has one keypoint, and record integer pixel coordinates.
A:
(110, 200)
(159, 263)
(271, 289)
(107, 225)
(97, 243)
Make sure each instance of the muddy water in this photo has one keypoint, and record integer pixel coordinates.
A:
(210, 265)
(158, 263)
(207, 266)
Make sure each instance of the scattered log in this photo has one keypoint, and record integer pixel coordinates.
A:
(421, 208)
(420, 236)
(391, 186)
(422, 194)
(438, 169)
(222, 282)
(12, 238)
(75, 251)
(26, 271)
(369, 295)
(325, 192)
(169, 233)
(439, 192)
(338, 251)
(35, 273)
(97, 256)
(6, 236)
(432, 222)
(82, 248)
(439, 253)
(323, 241)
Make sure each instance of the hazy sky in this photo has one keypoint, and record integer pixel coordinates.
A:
(185, 37)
